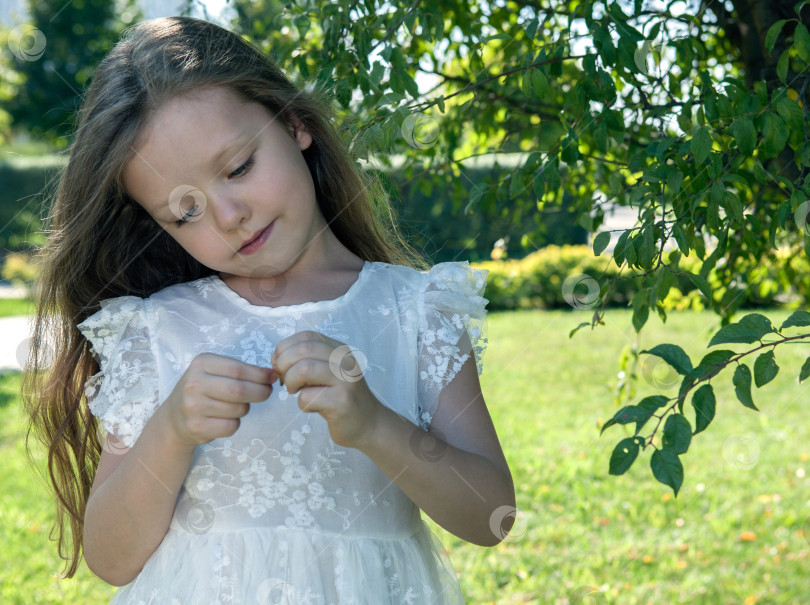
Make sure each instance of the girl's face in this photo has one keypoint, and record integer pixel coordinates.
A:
(215, 171)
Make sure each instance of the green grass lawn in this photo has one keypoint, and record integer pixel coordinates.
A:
(733, 535)
(16, 306)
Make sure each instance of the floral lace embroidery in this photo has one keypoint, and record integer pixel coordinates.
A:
(452, 327)
(298, 488)
(124, 394)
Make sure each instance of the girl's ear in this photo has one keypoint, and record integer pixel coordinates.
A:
(299, 132)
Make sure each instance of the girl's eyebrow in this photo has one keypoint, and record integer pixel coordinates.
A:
(228, 146)
(163, 208)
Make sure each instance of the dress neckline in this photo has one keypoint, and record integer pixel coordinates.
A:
(237, 299)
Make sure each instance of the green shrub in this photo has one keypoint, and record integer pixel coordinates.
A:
(19, 270)
(23, 180)
(537, 281)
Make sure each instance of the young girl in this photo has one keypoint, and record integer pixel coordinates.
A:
(282, 383)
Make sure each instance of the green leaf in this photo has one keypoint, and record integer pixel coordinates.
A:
(774, 133)
(745, 135)
(674, 356)
(742, 386)
(704, 403)
(551, 170)
(666, 281)
(791, 113)
(641, 311)
(765, 368)
(626, 415)
(619, 250)
(733, 333)
(440, 103)
(677, 433)
(734, 207)
(600, 242)
(604, 44)
(782, 65)
(649, 405)
(700, 145)
(801, 40)
(539, 83)
(711, 362)
(570, 150)
(516, 185)
(749, 329)
(620, 20)
(550, 133)
(579, 327)
(757, 322)
(702, 285)
(680, 237)
(805, 371)
(600, 137)
(667, 468)
(623, 456)
(796, 319)
(773, 34)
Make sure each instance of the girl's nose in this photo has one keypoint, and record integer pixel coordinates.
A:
(230, 212)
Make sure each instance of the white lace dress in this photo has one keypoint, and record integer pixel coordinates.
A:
(278, 513)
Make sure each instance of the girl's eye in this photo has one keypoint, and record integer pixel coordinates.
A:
(186, 217)
(243, 168)
(239, 172)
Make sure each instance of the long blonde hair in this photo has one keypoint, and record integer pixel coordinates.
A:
(101, 244)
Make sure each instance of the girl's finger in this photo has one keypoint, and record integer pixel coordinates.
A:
(221, 365)
(308, 372)
(231, 390)
(215, 408)
(283, 358)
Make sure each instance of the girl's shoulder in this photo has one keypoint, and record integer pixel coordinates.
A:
(456, 279)
(122, 310)
(445, 274)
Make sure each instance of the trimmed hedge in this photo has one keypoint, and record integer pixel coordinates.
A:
(538, 281)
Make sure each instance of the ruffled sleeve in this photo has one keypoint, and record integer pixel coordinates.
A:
(124, 394)
(452, 326)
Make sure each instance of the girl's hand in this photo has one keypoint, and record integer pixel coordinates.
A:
(212, 395)
(330, 382)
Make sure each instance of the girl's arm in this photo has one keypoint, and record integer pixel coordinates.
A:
(133, 497)
(462, 479)
(132, 501)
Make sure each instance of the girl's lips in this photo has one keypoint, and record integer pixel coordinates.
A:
(257, 243)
